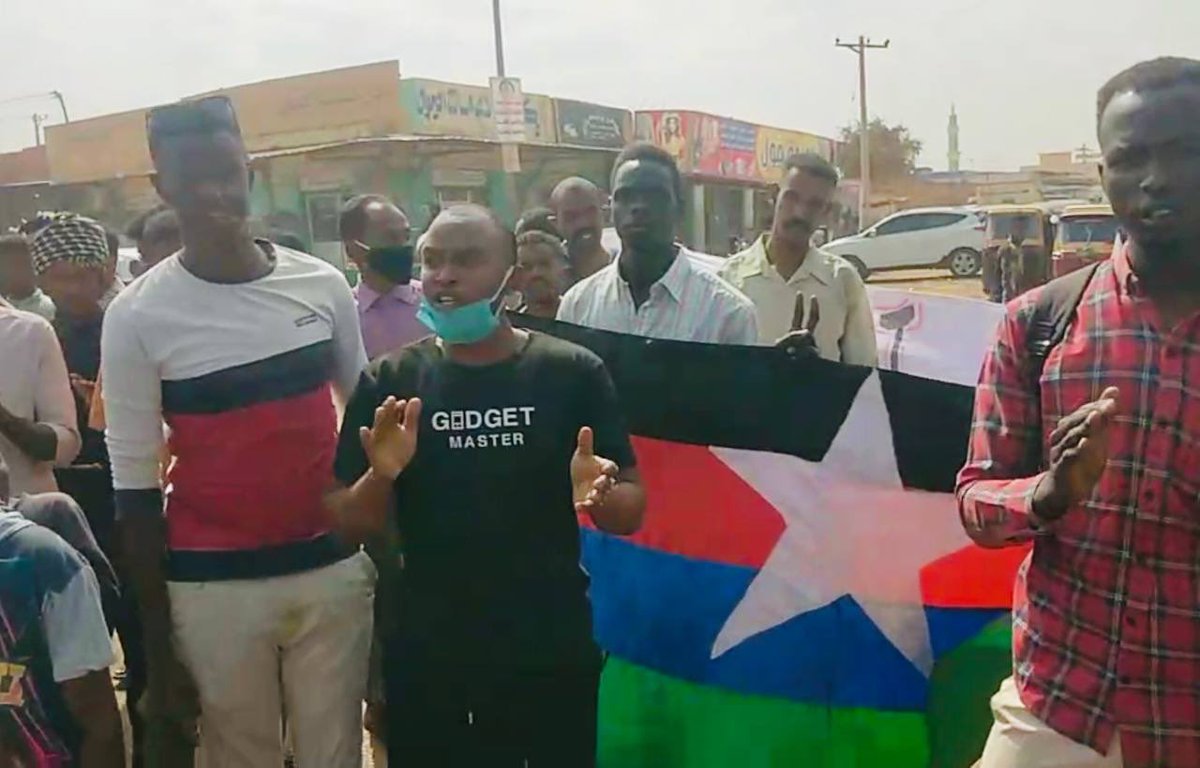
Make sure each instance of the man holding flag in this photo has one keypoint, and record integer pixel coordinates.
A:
(493, 662)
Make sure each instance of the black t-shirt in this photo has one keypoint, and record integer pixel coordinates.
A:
(81, 349)
(485, 512)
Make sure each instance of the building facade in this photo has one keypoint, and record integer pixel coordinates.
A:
(315, 140)
(730, 168)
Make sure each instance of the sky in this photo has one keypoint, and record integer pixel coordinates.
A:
(1022, 73)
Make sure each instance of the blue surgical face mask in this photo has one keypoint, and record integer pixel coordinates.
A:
(466, 324)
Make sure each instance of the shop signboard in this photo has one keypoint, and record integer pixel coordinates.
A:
(775, 146)
(434, 108)
(592, 125)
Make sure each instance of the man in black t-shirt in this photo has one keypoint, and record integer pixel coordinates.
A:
(492, 661)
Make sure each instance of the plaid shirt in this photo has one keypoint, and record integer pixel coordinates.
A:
(1106, 608)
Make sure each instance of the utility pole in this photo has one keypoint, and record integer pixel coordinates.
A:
(37, 128)
(497, 28)
(62, 104)
(863, 45)
(510, 154)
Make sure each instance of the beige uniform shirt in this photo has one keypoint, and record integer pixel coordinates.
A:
(846, 331)
(34, 385)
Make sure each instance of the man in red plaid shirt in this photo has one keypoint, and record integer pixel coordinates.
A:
(1106, 609)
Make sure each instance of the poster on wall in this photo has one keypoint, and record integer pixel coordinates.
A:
(508, 109)
(592, 125)
(669, 131)
(724, 148)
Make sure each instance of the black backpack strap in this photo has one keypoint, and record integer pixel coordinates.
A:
(1052, 316)
(1053, 313)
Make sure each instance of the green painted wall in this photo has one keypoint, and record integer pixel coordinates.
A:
(277, 193)
(413, 190)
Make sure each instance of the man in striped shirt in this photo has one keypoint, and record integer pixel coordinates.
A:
(655, 287)
(236, 344)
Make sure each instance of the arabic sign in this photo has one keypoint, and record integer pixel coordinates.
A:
(592, 125)
(774, 146)
(508, 109)
(434, 108)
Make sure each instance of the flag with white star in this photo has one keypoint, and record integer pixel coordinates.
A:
(801, 574)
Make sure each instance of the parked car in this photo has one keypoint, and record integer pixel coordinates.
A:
(950, 238)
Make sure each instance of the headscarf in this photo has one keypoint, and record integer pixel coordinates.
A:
(68, 237)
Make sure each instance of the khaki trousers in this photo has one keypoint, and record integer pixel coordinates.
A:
(1020, 740)
(298, 642)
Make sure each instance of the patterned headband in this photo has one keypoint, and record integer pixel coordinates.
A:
(71, 238)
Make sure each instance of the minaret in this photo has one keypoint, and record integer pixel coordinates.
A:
(953, 156)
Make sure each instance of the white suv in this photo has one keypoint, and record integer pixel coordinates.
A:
(923, 237)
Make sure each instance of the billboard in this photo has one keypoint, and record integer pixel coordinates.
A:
(704, 145)
(592, 125)
(434, 108)
(724, 148)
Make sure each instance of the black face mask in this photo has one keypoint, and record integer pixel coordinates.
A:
(393, 262)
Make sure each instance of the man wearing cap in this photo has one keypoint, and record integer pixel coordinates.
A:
(68, 257)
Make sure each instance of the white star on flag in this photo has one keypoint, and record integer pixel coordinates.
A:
(851, 528)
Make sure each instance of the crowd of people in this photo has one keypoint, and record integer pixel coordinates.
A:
(288, 497)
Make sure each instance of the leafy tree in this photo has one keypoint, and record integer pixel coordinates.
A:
(893, 151)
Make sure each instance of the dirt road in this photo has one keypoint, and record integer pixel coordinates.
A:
(929, 281)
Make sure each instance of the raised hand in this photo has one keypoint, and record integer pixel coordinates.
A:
(802, 340)
(592, 476)
(1078, 454)
(391, 442)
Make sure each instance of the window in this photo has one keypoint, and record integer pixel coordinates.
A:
(323, 211)
(916, 222)
(1002, 225)
(943, 220)
(451, 195)
(898, 225)
(1102, 229)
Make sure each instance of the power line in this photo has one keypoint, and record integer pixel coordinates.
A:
(56, 95)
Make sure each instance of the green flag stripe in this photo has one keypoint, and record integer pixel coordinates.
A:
(649, 720)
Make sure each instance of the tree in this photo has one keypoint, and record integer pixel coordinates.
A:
(893, 151)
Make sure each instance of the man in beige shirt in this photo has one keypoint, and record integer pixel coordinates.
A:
(37, 411)
(800, 290)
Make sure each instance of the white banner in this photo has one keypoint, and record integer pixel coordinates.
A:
(936, 337)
